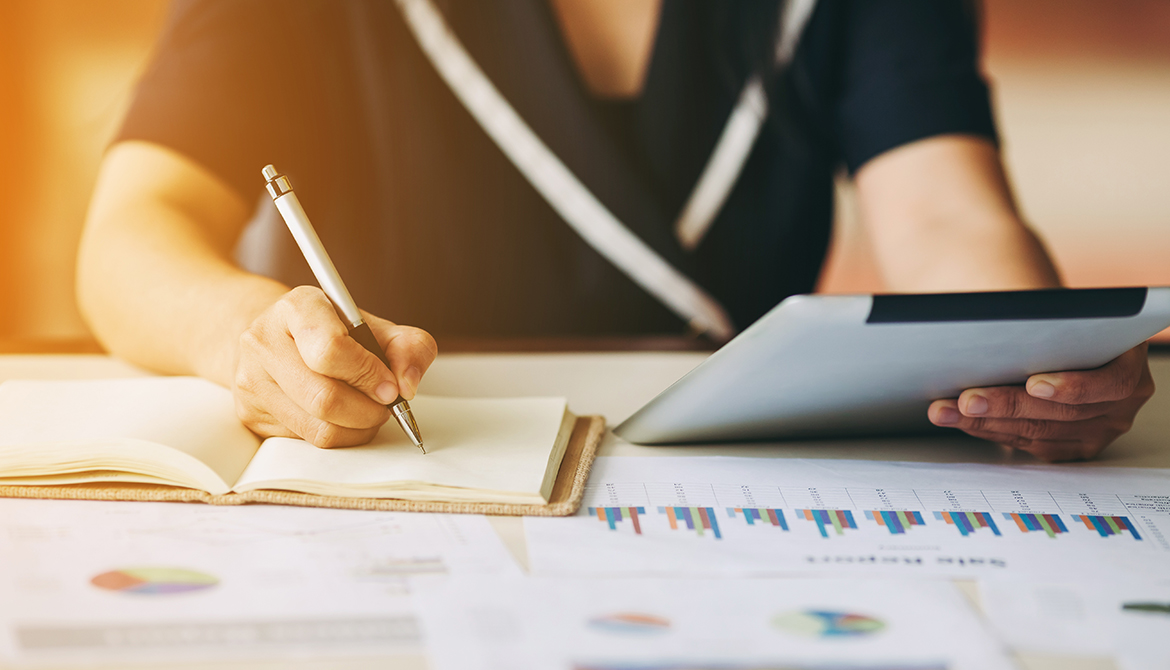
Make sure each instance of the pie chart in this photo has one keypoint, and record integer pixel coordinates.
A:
(630, 623)
(821, 623)
(154, 580)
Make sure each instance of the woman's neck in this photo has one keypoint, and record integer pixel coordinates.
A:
(611, 42)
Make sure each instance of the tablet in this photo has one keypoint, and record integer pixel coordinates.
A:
(826, 366)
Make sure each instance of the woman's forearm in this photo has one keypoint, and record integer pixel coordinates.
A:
(942, 218)
(154, 280)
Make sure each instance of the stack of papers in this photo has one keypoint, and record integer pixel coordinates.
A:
(671, 563)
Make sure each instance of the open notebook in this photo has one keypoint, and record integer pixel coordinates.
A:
(183, 432)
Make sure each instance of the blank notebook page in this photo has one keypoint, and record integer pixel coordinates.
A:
(496, 444)
(192, 416)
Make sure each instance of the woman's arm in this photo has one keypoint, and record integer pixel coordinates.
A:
(942, 218)
(153, 276)
(156, 284)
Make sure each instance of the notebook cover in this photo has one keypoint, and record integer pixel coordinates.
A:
(568, 490)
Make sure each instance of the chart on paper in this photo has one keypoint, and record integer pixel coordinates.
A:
(759, 515)
(688, 624)
(136, 582)
(700, 508)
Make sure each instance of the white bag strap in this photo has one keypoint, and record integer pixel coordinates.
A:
(739, 136)
(559, 186)
(573, 200)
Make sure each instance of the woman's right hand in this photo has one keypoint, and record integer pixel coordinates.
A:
(300, 374)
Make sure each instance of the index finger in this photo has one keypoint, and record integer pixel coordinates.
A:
(326, 347)
(1116, 380)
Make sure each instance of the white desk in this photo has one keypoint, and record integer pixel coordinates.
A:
(616, 384)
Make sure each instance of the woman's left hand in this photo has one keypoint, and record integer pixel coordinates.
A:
(1056, 416)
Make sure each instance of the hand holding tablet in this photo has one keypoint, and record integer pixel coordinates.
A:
(826, 366)
(1057, 416)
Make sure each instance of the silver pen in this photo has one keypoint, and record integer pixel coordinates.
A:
(294, 216)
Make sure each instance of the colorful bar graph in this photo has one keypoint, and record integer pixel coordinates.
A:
(838, 519)
(613, 515)
(762, 515)
(1028, 523)
(968, 522)
(698, 519)
(1108, 525)
(896, 522)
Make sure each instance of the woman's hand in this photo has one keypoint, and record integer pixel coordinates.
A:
(1059, 416)
(300, 374)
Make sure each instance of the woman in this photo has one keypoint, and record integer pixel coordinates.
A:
(433, 225)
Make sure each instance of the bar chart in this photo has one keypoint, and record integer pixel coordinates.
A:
(825, 519)
(698, 519)
(759, 516)
(896, 522)
(968, 522)
(1108, 525)
(615, 515)
(622, 507)
(1050, 524)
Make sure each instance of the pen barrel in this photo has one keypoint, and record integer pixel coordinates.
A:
(323, 269)
(365, 337)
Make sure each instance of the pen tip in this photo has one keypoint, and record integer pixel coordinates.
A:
(269, 172)
(405, 418)
(424, 449)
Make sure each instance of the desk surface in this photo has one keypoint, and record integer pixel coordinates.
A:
(615, 384)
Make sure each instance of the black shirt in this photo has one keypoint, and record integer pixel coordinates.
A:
(431, 225)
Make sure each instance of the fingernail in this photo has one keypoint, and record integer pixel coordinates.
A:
(1042, 390)
(976, 405)
(412, 377)
(946, 416)
(386, 392)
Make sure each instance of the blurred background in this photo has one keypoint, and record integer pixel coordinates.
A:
(1082, 90)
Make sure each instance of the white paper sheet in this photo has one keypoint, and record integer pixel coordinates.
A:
(1125, 619)
(806, 515)
(651, 624)
(243, 582)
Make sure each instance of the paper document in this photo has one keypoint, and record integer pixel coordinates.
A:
(730, 624)
(1125, 619)
(773, 516)
(141, 582)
